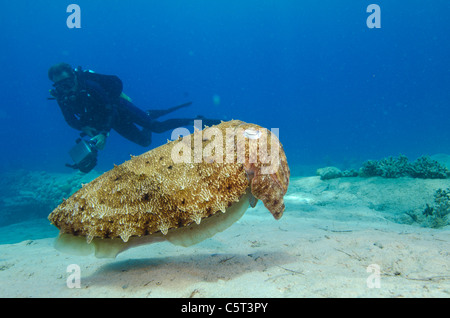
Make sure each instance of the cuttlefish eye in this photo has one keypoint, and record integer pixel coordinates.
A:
(252, 133)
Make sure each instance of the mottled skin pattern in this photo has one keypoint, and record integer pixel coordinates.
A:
(151, 193)
(269, 188)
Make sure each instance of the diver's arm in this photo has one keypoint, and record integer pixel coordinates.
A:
(110, 110)
(105, 107)
(70, 118)
(103, 128)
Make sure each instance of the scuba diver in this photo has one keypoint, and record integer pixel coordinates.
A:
(94, 104)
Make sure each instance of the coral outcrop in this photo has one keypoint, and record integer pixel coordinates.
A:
(423, 167)
(32, 194)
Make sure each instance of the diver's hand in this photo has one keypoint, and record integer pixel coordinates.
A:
(99, 141)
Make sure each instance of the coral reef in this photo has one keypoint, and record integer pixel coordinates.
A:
(391, 167)
(434, 215)
(423, 167)
(426, 168)
(328, 173)
(32, 194)
(437, 215)
(387, 168)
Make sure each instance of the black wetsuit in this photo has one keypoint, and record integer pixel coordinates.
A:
(97, 104)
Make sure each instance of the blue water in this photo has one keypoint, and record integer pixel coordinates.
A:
(337, 90)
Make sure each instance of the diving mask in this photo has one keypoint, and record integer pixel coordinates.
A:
(64, 86)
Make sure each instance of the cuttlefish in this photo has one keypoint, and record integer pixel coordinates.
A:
(184, 191)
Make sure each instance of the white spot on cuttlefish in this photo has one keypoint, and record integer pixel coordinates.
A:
(252, 133)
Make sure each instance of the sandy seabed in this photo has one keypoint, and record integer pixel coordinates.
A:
(330, 242)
